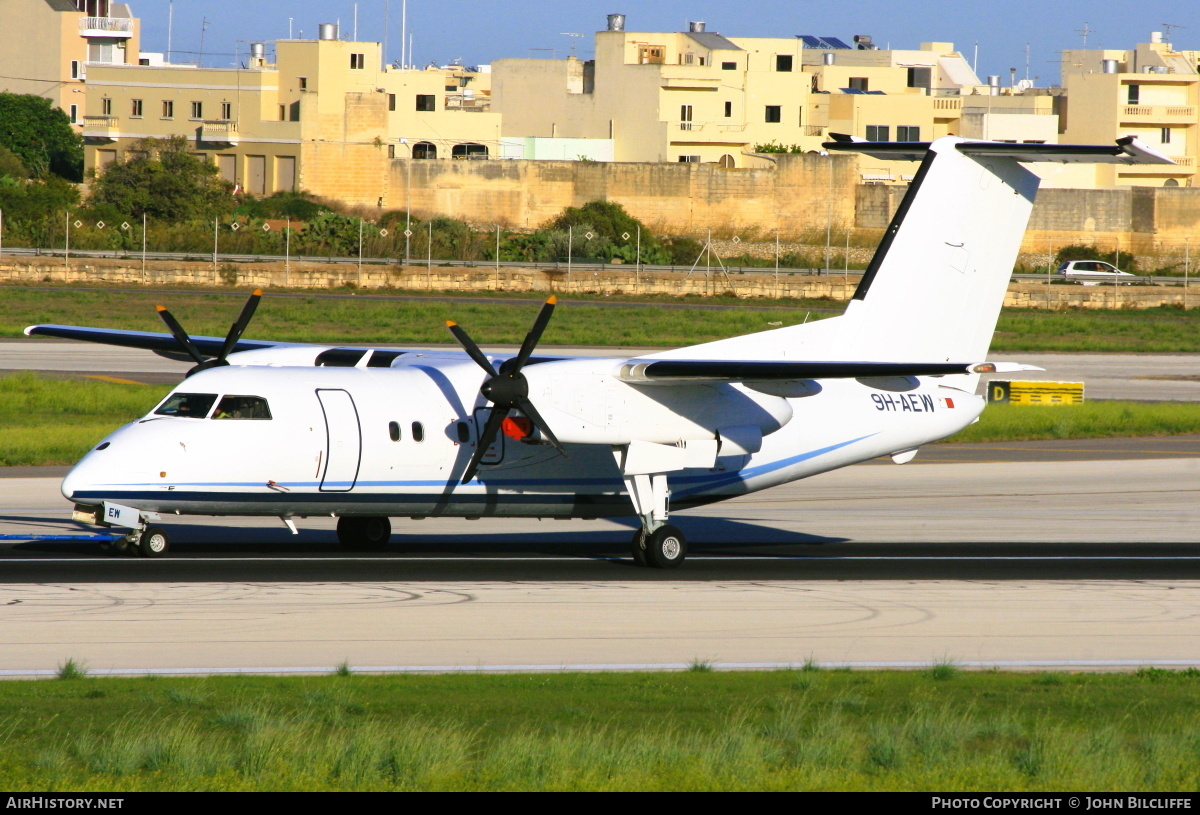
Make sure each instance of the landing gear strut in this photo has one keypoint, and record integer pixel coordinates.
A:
(657, 543)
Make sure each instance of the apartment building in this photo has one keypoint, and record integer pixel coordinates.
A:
(54, 42)
(699, 96)
(1149, 91)
(324, 117)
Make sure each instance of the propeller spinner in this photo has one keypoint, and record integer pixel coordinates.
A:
(231, 339)
(506, 389)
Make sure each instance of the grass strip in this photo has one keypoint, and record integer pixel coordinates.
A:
(1091, 420)
(609, 321)
(782, 730)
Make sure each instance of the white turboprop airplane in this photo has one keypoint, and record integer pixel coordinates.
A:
(288, 430)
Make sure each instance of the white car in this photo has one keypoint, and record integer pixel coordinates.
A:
(1092, 272)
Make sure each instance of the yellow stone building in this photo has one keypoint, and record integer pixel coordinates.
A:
(1149, 91)
(325, 117)
(51, 44)
(698, 96)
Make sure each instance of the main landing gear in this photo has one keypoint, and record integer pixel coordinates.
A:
(657, 543)
(369, 534)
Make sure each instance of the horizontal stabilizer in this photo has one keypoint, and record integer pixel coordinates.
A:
(692, 370)
(1127, 150)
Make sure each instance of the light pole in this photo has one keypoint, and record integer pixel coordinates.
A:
(407, 201)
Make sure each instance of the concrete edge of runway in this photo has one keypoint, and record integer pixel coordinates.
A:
(1114, 665)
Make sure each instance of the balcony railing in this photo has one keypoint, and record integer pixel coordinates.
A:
(1159, 113)
(106, 27)
(101, 127)
(220, 131)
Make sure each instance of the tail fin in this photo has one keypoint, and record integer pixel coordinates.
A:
(934, 289)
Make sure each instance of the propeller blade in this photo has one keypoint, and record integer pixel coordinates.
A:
(181, 336)
(526, 407)
(235, 330)
(486, 439)
(470, 347)
(535, 334)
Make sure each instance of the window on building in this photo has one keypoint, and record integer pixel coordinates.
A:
(728, 66)
(1165, 136)
(303, 80)
(294, 111)
(391, 151)
(426, 101)
(728, 109)
(283, 113)
(920, 78)
(651, 54)
(774, 113)
(74, 114)
(908, 133)
(75, 71)
(197, 110)
(391, 101)
(135, 109)
(685, 117)
(689, 159)
(469, 150)
(878, 133)
(424, 149)
(859, 83)
(227, 111)
(358, 62)
(783, 62)
(106, 107)
(1134, 94)
(168, 109)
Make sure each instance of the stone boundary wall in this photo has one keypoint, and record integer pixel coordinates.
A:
(612, 280)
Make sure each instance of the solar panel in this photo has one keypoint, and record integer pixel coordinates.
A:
(823, 43)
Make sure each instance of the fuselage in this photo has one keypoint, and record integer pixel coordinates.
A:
(395, 441)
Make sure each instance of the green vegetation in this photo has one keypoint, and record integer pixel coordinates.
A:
(163, 181)
(1156, 330)
(46, 421)
(1091, 420)
(776, 147)
(695, 730)
(40, 136)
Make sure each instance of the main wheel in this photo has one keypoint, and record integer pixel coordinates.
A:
(666, 547)
(638, 550)
(364, 534)
(153, 542)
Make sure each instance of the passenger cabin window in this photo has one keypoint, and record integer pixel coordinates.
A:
(394, 431)
(187, 405)
(418, 431)
(242, 407)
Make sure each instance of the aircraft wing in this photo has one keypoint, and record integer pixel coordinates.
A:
(161, 343)
(666, 371)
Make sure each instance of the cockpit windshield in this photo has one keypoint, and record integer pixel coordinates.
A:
(242, 407)
(187, 405)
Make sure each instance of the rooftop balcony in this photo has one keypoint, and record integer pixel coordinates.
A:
(101, 128)
(219, 131)
(1166, 114)
(118, 27)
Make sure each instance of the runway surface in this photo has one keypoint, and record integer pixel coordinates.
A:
(1144, 377)
(1077, 555)
(1021, 564)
